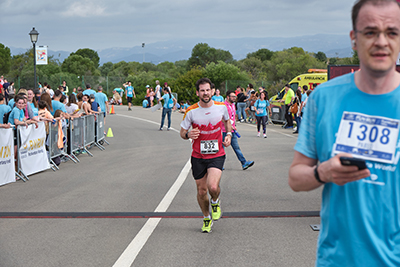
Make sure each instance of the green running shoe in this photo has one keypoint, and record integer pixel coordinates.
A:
(216, 211)
(207, 223)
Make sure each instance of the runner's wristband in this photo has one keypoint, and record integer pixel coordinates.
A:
(229, 133)
(316, 175)
(186, 135)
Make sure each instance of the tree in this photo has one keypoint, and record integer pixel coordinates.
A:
(218, 73)
(355, 60)
(78, 65)
(321, 56)
(90, 54)
(185, 87)
(286, 64)
(263, 54)
(203, 54)
(106, 68)
(253, 66)
(5, 59)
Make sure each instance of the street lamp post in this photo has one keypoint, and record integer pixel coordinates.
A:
(143, 44)
(34, 37)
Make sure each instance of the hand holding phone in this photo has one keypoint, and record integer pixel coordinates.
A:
(348, 161)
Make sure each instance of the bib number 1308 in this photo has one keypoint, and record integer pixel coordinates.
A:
(369, 137)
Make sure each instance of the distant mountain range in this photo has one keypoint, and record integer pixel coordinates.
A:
(175, 50)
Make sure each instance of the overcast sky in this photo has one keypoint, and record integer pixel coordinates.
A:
(70, 25)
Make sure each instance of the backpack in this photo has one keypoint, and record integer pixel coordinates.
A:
(6, 116)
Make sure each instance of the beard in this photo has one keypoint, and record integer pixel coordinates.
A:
(205, 101)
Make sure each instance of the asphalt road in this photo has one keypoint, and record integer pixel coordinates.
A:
(104, 211)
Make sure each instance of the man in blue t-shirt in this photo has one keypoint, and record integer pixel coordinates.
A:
(129, 92)
(56, 104)
(101, 98)
(88, 90)
(357, 115)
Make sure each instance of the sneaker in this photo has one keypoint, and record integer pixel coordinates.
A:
(258, 135)
(247, 165)
(168, 129)
(216, 211)
(207, 223)
(160, 129)
(265, 136)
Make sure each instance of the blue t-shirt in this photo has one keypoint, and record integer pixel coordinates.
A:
(34, 109)
(360, 221)
(167, 103)
(57, 105)
(217, 98)
(16, 113)
(95, 106)
(3, 110)
(261, 107)
(101, 98)
(129, 91)
(303, 97)
(88, 92)
(11, 103)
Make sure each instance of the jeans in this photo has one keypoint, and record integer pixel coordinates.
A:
(236, 148)
(164, 112)
(241, 113)
(298, 121)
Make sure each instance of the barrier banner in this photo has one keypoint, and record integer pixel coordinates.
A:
(32, 153)
(7, 167)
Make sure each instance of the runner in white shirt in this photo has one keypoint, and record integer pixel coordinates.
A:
(208, 156)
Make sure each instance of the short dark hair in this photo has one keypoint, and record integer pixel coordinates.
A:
(250, 85)
(305, 87)
(87, 85)
(360, 3)
(287, 85)
(212, 86)
(57, 93)
(202, 81)
(229, 92)
(43, 104)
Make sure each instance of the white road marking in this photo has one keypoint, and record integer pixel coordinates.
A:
(149, 121)
(130, 253)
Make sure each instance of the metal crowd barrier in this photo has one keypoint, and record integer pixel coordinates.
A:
(52, 143)
(18, 171)
(76, 136)
(100, 132)
(88, 137)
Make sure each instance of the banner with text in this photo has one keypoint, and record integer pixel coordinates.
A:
(32, 153)
(41, 55)
(7, 167)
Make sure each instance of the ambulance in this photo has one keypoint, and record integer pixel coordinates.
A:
(314, 76)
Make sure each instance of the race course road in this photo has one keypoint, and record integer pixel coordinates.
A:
(134, 204)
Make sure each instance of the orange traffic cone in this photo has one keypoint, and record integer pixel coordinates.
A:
(112, 110)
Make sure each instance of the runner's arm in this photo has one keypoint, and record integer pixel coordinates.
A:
(302, 172)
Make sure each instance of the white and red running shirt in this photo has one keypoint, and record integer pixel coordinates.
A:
(209, 122)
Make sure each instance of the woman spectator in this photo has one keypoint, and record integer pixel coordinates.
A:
(32, 102)
(261, 113)
(297, 116)
(169, 103)
(72, 106)
(46, 98)
(241, 105)
(152, 94)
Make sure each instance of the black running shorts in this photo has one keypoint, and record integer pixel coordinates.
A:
(129, 99)
(200, 166)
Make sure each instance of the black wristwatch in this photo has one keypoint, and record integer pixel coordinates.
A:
(316, 175)
(186, 135)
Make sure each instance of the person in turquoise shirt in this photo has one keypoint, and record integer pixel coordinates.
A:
(56, 104)
(102, 99)
(357, 115)
(217, 97)
(3, 109)
(261, 106)
(169, 104)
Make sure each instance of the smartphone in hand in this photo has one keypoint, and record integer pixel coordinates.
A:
(347, 161)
